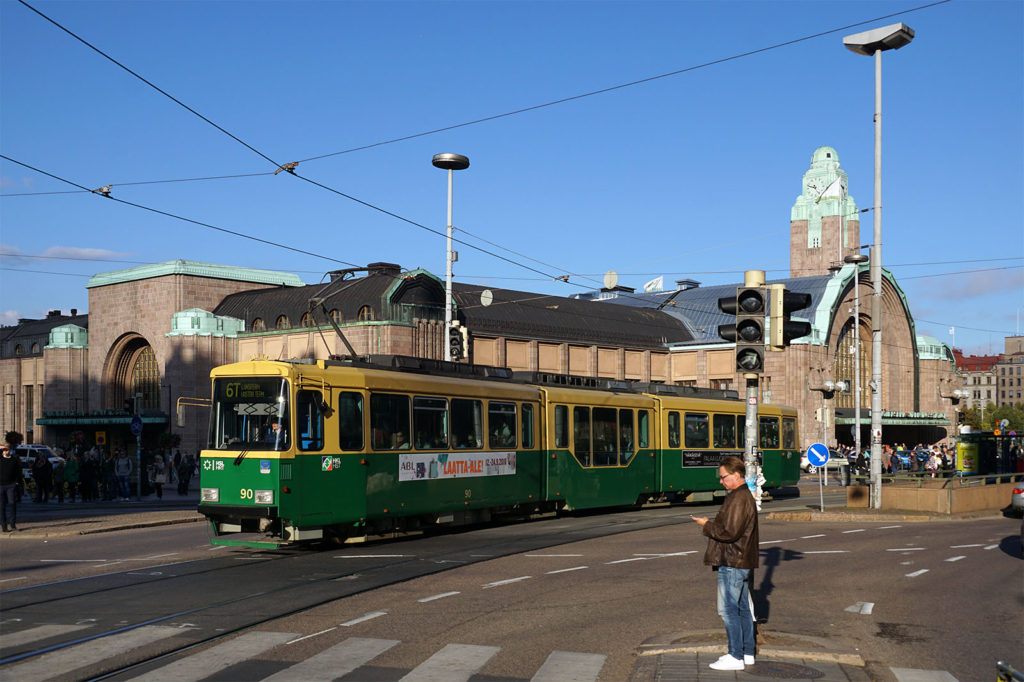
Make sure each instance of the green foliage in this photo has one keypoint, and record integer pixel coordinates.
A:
(986, 419)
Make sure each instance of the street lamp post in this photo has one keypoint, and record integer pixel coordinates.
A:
(449, 162)
(868, 43)
(856, 259)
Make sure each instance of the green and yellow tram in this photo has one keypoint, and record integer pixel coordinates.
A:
(302, 450)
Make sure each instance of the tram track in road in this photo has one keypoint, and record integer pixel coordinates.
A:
(281, 586)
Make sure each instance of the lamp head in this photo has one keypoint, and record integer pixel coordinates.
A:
(891, 37)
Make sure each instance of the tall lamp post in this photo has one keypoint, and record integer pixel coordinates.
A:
(869, 43)
(856, 259)
(449, 162)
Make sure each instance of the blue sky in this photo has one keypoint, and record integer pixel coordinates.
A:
(687, 176)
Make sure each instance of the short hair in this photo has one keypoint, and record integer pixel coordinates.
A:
(734, 465)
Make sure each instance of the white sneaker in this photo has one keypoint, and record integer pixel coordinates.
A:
(727, 662)
(748, 659)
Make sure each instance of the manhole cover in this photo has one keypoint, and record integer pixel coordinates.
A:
(783, 671)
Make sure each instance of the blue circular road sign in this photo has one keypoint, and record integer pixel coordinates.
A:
(136, 426)
(817, 454)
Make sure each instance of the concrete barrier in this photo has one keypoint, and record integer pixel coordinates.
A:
(940, 496)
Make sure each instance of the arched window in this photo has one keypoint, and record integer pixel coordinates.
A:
(19, 349)
(258, 325)
(35, 348)
(146, 378)
(307, 320)
(335, 315)
(365, 313)
(282, 322)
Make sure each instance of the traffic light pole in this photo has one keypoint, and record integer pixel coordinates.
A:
(752, 278)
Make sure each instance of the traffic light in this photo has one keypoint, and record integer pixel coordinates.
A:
(129, 406)
(748, 331)
(456, 341)
(783, 304)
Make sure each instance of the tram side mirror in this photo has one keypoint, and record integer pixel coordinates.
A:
(325, 409)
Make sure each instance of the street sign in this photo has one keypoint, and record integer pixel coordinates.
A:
(817, 454)
(136, 426)
(101, 438)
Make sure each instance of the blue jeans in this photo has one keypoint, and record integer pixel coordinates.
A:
(124, 486)
(734, 606)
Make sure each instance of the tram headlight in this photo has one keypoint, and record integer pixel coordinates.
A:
(211, 494)
(264, 497)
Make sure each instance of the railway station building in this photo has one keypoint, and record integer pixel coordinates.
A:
(154, 332)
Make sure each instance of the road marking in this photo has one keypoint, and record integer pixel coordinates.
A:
(907, 549)
(569, 665)
(507, 582)
(38, 633)
(217, 547)
(917, 573)
(888, 527)
(156, 556)
(962, 546)
(7, 580)
(955, 558)
(63, 661)
(861, 607)
(312, 635)
(808, 537)
(69, 561)
(453, 663)
(827, 551)
(373, 556)
(859, 530)
(659, 556)
(913, 675)
(566, 570)
(437, 596)
(363, 619)
(990, 546)
(339, 660)
(623, 561)
(554, 555)
(212, 660)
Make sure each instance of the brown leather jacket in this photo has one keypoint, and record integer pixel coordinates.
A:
(732, 534)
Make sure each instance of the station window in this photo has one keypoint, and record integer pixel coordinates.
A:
(350, 421)
(768, 430)
(365, 314)
(501, 423)
(724, 426)
(307, 320)
(467, 423)
(561, 426)
(674, 440)
(309, 420)
(581, 434)
(643, 429)
(788, 433)
(389, 415)
(527, 420)
(282, 322)
(430, 422)
(626, 440)
(335, 315)
(258, 325)
(696, 430)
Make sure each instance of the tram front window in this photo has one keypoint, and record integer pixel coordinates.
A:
(250, 414)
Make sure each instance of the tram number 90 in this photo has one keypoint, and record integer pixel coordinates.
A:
(246, 493)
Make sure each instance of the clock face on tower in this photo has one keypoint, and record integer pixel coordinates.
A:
(814, 187)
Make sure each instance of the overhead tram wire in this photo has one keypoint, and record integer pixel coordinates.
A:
(144, 182)
(178, 217)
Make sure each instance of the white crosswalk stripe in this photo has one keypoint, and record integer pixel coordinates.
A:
(37, 634)
(570, 666)
(212, 660)
(63, 661)
(339, 660)
(453, 663)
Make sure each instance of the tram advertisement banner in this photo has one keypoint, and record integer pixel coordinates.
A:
(417, 466)
(702, 458)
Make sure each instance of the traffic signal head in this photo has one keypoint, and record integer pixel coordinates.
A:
(456, 341)
(784, 303)
(748, 330)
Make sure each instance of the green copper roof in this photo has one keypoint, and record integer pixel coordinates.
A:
(930, 348)
(195, 269)
(68, 336)
(823, 172)
(199, 322)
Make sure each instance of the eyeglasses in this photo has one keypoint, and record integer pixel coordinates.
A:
(722, 478)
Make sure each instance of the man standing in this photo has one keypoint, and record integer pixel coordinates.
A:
(10, 480)
(733, 552)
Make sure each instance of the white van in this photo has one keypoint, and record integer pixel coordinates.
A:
(27, 454)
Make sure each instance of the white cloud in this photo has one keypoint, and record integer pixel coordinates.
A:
(9, 317)
(977, 284)
(80, 253)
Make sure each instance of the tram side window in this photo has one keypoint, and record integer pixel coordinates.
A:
(768, 429)
(350, 421)
(309, 420)
(467, 423)
(673, 430)
(626, 440)
(430, 422)
(696, 430)
(561, 426)
(527, 426)
(788, 433)
(389, 415)
(581, 434)
(501, 421)
(606, 437)
(741, 430)
(643, 429)
(724, 431)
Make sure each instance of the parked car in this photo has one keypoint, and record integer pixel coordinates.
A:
(1017, 499)
(27, 454)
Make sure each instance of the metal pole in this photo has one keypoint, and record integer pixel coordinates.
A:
(448, 278)
(752, 278)
(856, 361)
(876, 302)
